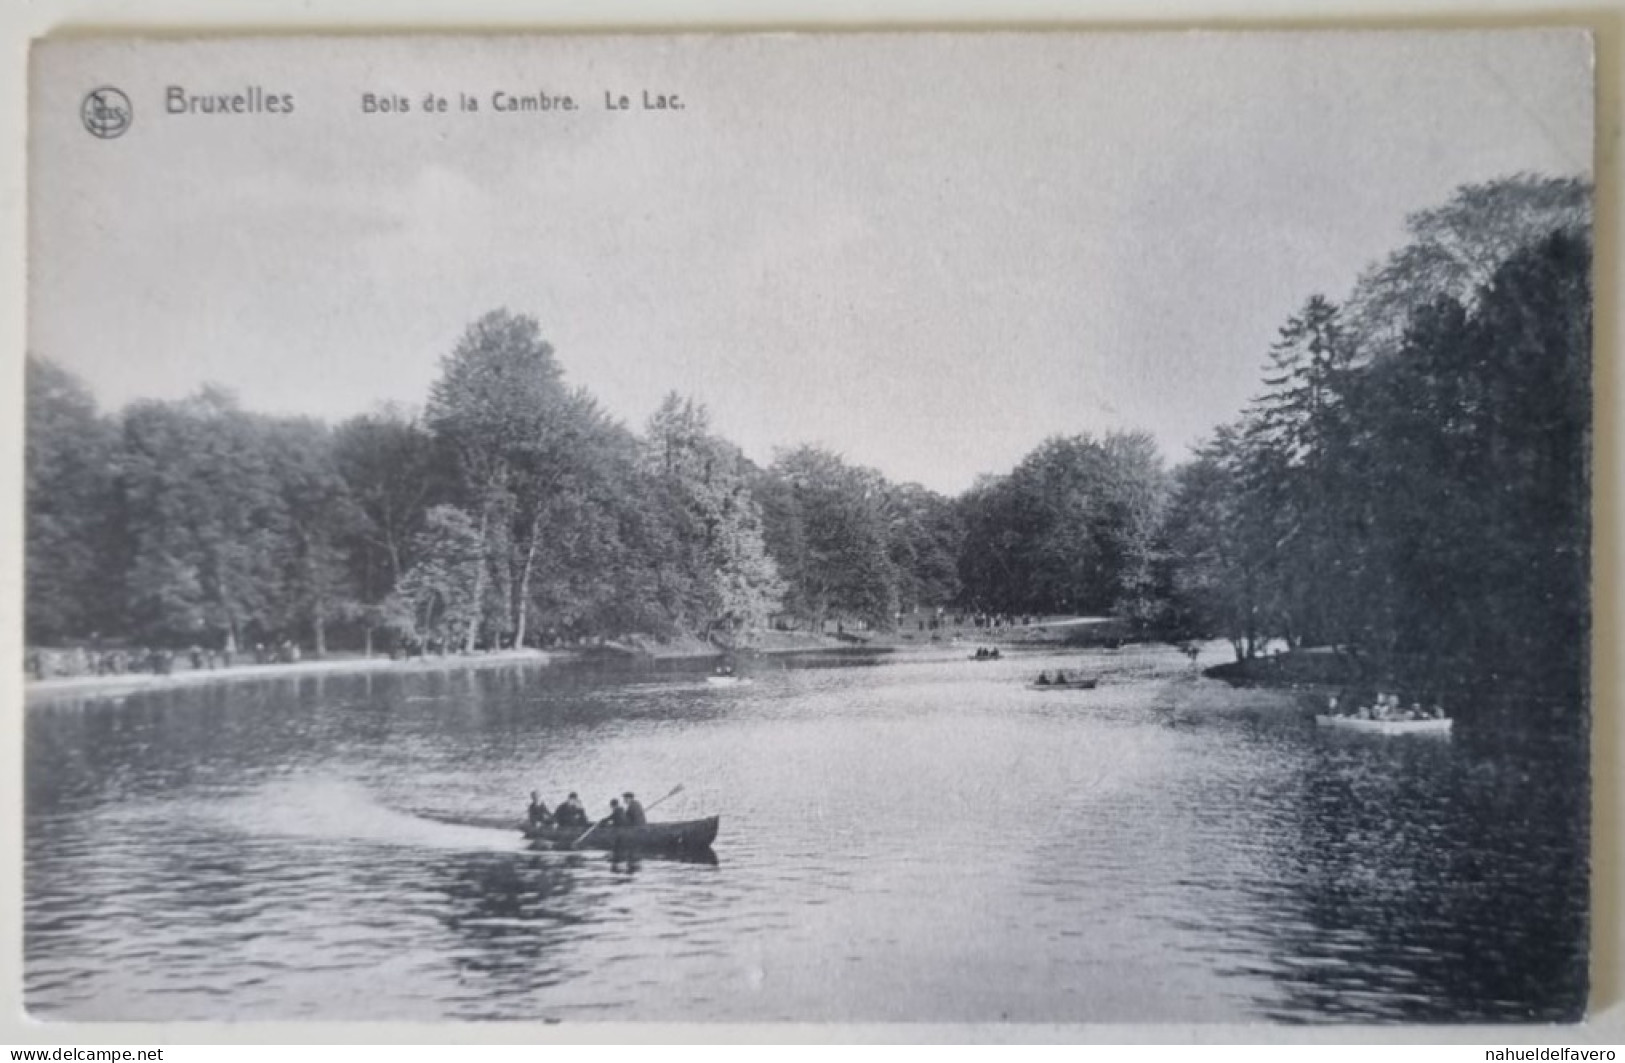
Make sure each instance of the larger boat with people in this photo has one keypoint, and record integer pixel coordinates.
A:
(568, 826)
(1385, 716)
(1387, 727)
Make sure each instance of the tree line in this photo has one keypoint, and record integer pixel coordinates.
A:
(1411, 480)
(1410, 488)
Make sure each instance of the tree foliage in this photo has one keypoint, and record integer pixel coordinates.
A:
(1073, 529)
(1411, 480)
(1430, 505)
(72, 554)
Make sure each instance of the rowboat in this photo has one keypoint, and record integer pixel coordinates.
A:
(727, 680)
(1070, 684)
(687, 834)
(1439, 726)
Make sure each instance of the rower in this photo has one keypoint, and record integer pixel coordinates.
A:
(634, 811)
(539, 816)
(617, 814)
(1043, 679)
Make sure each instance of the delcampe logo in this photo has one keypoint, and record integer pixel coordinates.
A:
(106, 112)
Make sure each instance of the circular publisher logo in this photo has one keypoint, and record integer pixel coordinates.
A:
(106, 112)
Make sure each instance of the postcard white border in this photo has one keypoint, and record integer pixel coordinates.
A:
(56, 18)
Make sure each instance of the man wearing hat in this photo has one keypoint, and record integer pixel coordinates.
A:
(571, 813)
(634, 811)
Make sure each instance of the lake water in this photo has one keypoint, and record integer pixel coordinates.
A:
(914, 838)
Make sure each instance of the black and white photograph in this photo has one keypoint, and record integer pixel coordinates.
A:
(1064, 527)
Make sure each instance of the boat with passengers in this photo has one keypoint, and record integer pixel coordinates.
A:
(676, 835)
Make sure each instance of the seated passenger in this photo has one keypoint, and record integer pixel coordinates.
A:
(570, 813)
(1043, 679)
(1060, 678)
(617, 814)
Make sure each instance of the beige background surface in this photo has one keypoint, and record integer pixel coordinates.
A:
(64, 18)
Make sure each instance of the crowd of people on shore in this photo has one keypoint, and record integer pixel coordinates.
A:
(982, 621)
(571, 813)
(1384, 707)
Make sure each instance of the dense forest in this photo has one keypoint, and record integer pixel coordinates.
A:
(1411, 480)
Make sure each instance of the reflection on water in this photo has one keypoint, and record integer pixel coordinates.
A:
(916, 839)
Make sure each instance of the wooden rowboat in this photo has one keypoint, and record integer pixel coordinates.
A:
(1070, 684)
(1387, 727)
(687, 834)
(727, 680)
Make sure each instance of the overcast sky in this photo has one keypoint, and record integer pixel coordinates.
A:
(927, 253)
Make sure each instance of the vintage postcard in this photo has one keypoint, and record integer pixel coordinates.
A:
(978, 527)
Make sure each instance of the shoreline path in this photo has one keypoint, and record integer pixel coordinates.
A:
(38, 691)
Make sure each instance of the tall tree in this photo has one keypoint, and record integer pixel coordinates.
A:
(501, 407)
(1071, 529)
(203, 511)
(1295, 435)
(827, 527)
(925, 539)
(437, 599)
(733, 583)
(1455, 248)
(73, 546)
(317, 519)
(392, 470)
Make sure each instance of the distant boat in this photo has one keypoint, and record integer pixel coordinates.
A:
(1437, 725)
(1070, 684)
(727, 680)
(690, 834)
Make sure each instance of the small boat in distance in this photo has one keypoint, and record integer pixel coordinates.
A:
(689, 834)
(727, 680)
(1070, 684)
(1434, 726)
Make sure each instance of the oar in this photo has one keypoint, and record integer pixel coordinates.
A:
(675, 790)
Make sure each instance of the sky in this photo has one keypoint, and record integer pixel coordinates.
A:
(926, 252)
